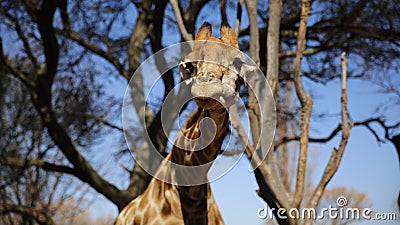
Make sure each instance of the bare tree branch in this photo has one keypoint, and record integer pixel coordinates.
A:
(156, 45)
(232, 152)
(233, 112)
(396, 142)
(139, 34)
(6, 64)
(367, 123)
(94, 49)
(24, 163)
(254, 105)
(238, 16)
(237, 125)
(310, 51)
(181, 25)
(99, 119)
(191, 14)
(336, 156)
(222, 4)
(86, 172)
(273, 45)
(306, 104)
(42, 100)
(44, 18)
(23, 38)
(251, 6)
(274, 197)
(139, 178)
(267, 175)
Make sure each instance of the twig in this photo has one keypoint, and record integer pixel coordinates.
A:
(335, 131)
(310, 51)
(24, 163)
(94, 49)
(23, 38)
(179, 20)
(99, 119)
(5, 62)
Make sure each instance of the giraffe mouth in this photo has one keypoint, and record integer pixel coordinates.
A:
(205, 87)
(204, 79)
(209, 91)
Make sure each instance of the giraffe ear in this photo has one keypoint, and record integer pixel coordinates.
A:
(204, 32)
(228, 35)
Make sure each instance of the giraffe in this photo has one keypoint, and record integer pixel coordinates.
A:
(214, 88)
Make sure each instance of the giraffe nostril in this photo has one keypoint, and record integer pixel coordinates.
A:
(211, 74)
(201, 79)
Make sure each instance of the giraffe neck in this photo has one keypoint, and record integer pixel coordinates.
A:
(167, 202)
(194, 199)
(200, 149)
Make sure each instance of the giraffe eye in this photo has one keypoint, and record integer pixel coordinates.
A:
(186, 69)
(189, 68)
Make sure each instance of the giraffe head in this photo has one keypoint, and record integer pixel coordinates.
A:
(213, 68)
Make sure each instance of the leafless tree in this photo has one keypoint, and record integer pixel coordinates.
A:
(62, 55)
